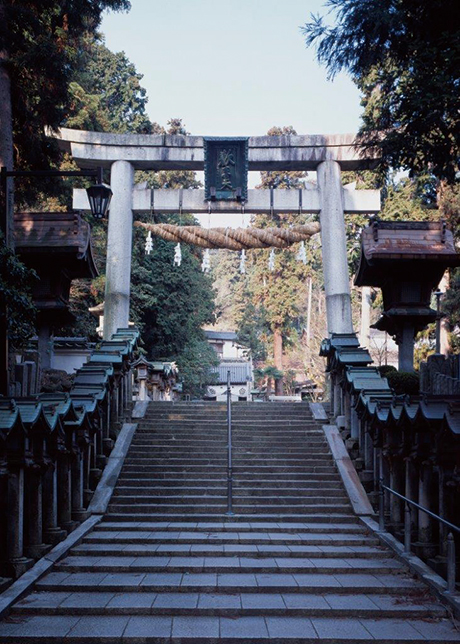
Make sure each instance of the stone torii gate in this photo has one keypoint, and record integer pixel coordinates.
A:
(328, 155)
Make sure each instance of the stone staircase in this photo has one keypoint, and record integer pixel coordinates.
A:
(167, 564)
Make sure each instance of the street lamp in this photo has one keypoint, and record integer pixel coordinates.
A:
(99, 196)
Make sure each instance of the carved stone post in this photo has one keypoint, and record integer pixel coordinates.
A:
(412, 491)
(78, 511)
(64, 493)
(17, 563)
(52, 533)
(34, 519)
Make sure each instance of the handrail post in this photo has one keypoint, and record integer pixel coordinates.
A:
(229, 448)
(451, 563)
(407, 528)
(381, 505)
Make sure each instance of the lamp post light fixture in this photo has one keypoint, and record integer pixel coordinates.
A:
(99, 196)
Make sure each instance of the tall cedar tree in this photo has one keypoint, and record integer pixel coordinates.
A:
(404, 55)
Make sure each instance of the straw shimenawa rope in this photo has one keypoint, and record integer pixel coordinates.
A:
(233, 238)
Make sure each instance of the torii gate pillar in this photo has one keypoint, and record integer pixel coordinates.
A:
(334, 248)
(119, 249)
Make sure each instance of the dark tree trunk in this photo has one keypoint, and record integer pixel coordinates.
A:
(278, 358)
(6, 134)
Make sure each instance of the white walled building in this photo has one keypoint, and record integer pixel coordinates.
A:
(234, 358)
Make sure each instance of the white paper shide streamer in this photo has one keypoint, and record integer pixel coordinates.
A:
(148, 243)
(206, 263)
(271, 260)
(243, 262)
(177, 255)
(302, 253)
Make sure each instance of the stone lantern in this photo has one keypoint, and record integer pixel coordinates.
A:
(407, 261)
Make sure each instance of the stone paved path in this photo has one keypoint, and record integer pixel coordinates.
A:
(166, 565)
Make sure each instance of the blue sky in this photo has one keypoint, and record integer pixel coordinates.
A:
(232, 67)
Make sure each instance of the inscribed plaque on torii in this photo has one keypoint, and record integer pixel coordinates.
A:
(226, 168)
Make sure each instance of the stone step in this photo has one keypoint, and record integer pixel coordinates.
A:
(236, 564)
(263, 525)
(190, 505)
(280, 539)
(238, 605)
(203, 488)
(328, 487)
(224, 582)
(284, 515)
(238, 469)
(229, 550)
(194, 629)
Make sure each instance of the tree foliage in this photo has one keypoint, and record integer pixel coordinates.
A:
(16, 281)
(42, 41)
(405, 57)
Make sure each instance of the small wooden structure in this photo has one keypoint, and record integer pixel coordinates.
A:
(406, 260)
(57, 245)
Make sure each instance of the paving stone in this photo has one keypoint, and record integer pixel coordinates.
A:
(151, 562)
(353, 602)
(186, 562)
(238, 580)
(298, 600)
(290, 628)
(340, 629)
(246, 628)
(199, 579)
(306, 580)
(162, 579)
(391, 629)
(87, 600)
(122, 579)
(199, 627)
(176, 600)
(222, 562)
(40, 626)
(436, 630)
(275, 580)
(43, 599)
(132, 600)
(95, 626)
(265, 601)
(148, 627)
(219, 601)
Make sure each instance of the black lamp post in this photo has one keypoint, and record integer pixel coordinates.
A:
(99, 196)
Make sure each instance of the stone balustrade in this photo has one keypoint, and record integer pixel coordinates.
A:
(411, 443)
(53, 448)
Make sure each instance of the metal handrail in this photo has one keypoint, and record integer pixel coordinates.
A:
(451, 559)
(229, 448)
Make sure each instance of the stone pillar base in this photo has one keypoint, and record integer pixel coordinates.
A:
(80, 515)
(87, 496)
(54, 535)
(37, 551)
(107, 444)
(101, 461)
(424, 550)
(94, 477)
(69, 526)
(17, 567)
